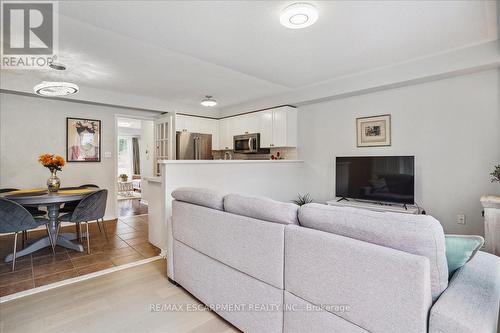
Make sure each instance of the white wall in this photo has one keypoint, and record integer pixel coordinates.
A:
(30, 126)
(452, 127)
(146, 148)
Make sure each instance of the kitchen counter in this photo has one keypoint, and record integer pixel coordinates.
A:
(227, 161)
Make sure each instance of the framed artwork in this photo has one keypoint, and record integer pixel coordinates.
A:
(83, 140)
(374, 131)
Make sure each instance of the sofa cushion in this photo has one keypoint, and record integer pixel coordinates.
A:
(200, 196)
(261, 208)
(251, 246)
(417, 234)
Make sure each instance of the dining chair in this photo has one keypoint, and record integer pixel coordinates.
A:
(33, 211)
(91, 208)
(70, 206)
(15, 218)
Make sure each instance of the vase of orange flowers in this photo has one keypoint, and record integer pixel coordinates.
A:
(54, 163)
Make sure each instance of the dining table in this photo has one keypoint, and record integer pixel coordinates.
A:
(52, 201)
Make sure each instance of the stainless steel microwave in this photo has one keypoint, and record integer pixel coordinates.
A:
(247, 143)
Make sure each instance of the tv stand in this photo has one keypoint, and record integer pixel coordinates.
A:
(379, 207)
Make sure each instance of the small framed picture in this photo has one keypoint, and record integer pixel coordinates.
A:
(83, 140)
(374, 131)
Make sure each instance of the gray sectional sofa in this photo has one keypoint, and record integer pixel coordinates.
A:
(268, 266)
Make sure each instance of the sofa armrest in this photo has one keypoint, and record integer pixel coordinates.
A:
(471, 301)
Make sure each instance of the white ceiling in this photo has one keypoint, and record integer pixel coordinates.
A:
(237, 51)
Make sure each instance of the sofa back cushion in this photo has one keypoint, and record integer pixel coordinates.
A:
(251, 246)
(200, 196)
(261, 208)
(417, 234)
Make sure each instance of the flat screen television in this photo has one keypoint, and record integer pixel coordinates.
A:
(388, 179)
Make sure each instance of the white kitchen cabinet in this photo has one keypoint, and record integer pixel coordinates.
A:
(226, 130)
(266, 128)
(247, 123)
(180, 123)
(278, 127)
(199, 125)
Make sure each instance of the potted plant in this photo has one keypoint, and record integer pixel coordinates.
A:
(54, 163)
(495, 175)
(123, 177)
(302, 199)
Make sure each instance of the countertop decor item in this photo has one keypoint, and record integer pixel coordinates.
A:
(123, 177)
(495, 175)
(54, 163)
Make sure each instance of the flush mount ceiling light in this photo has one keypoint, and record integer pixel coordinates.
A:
(208, 101)
(299, 15)
(55, 89)
(57, 66)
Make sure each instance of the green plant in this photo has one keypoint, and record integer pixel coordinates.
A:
(123, 177)
(495, 175)
(303, 199)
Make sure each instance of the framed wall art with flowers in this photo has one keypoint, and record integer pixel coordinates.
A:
(83, 140)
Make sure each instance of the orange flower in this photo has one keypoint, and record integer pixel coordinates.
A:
(52, 162)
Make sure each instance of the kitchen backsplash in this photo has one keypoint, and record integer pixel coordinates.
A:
(285, 153)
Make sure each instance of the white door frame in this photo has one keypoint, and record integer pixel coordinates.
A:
(115, 154)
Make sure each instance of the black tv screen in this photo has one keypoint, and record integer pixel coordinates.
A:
(388, 179)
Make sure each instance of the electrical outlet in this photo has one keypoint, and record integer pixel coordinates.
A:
(461, 218)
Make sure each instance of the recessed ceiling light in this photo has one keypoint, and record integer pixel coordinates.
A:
(208, 101)
(55, 88)
(299, 15)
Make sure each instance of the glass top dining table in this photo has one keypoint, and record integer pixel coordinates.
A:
(52, 201)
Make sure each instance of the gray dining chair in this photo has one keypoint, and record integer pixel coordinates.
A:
(33, 211)
(70, 206)
(14, 218)
(91, 208)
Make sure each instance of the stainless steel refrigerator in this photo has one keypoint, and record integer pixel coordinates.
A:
(193, 146)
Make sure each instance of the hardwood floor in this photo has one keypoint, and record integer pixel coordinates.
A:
(131, 207)
(117, 302)
(127, 242)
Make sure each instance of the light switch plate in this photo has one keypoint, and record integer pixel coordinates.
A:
(461, 218)
(107, 154)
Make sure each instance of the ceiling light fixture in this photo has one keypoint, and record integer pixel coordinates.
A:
(57, 66)
(208, 101)
(299, 15)
(55, 89)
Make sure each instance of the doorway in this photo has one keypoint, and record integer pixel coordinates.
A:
(135, 161)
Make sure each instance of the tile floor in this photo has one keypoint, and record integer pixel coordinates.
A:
(127, 242)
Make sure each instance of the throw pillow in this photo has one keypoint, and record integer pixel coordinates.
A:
(460, 249)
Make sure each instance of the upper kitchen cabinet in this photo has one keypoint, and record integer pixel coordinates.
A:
(247, 123)
(199, 125)
(226, 133)
(278, 127)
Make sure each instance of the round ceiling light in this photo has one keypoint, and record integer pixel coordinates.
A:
(208, 101)
(55, 89)
(299, 15)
